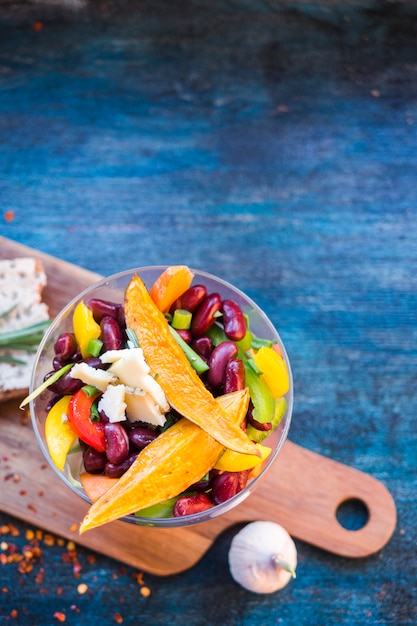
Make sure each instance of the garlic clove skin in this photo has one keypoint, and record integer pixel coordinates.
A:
(262, 557)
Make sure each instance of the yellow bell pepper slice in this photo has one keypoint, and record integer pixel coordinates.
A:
(60, 437)
(231, 461)
(85, 327)
(274, 371)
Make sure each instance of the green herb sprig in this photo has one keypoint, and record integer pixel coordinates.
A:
(25, 339)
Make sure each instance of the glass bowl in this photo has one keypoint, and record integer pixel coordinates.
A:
(112, 289)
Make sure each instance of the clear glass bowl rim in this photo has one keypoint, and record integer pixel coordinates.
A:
(218, 509)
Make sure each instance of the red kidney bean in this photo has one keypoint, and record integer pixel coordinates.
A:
(95, 361)
(57, 363)
(52, 400)
(102, 308)
(234, 323)
(221, 354)
(117, 442)
(204, 316)
(64, 385)
(191, 299)
(234, 376)
(65, 346)
(111, 335)
(201, 485)
(140, 437)
(94, 462)
(115, 470)
(203, 346)
(185, 335)
(227, 485)
(187, 505)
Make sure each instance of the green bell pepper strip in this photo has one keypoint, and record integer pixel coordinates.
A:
(279, 412)
(263, 402)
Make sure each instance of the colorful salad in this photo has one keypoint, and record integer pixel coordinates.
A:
(168, 395)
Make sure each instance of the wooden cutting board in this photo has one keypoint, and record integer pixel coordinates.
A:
(302, 491)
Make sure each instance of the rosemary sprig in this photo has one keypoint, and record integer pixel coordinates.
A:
(25, 339)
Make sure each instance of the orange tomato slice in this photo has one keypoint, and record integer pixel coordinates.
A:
(170, 285)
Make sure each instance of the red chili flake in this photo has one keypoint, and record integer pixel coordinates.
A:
(9, 216)
(37, 26)
(91, 558)
(59, 591)
(22, 492)
(118, 618)
(14, 613)
(73, 528)
(61, 617)
(39, 578)
(32, 507)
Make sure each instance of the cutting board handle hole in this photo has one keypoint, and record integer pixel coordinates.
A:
(352, 514)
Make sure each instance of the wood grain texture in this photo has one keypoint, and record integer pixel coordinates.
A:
(302, 491)
(272, 144)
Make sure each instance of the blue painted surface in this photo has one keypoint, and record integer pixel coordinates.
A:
(273, 145)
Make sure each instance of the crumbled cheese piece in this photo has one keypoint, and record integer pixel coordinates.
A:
(112, 402)
(141, 406)
(130, 367)
(91, 376)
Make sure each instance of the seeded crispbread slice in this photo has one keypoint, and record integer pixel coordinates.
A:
(22, 281)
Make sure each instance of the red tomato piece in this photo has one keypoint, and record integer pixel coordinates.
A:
(92, 433)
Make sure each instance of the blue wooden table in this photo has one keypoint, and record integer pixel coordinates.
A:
(272, 144)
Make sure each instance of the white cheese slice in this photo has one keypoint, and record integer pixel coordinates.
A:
(112, 402)
(130, 368)
(91, 376)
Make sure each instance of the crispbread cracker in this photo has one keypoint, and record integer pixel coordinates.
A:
(21, 284)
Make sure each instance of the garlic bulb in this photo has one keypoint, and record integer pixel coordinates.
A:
(262, 557)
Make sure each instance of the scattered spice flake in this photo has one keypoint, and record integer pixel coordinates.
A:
(29, 534)
(375, 93)
(32, 507)
(5, 590)
(73, 528)
(14, 613)
(59, 591)
(39, 578)
(71, 546)
(61, 617)
(49, 540)
(118, 618)
(91, 558)
(82, 588)
(282, 108)
(37, 26)
(9, 216)
(139, 578)
(145, 591)
(22, 492)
